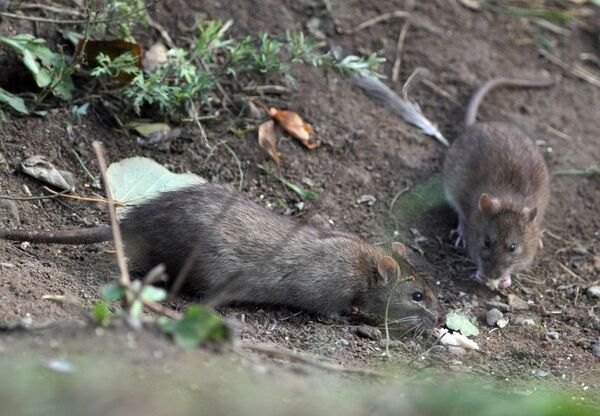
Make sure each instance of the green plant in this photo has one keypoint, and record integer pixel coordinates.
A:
(50, 70)
(187, 81)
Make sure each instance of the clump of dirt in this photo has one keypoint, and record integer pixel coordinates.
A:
(364, 150)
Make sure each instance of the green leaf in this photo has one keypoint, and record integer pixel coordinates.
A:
(45, 66)
(112, 292)
(12, 100)
(459, 322)
(153, 293)
(304, 194)
(138, 179)
(198, 325)
(101, 313)
(136, 309)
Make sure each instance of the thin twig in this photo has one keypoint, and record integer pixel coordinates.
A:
(78, 198)
(199, 124)
(274, 352)
(83, 166)
(576, 69)
(441, 91)
(162, 31)
(399, 45)
(570, 272)
(559, 133)
(125, 280)
(239, 165)
(387, 329)
(378, 19)
(34, 198)
(410, 80)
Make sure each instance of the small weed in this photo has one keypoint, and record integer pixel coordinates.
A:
(187, 80)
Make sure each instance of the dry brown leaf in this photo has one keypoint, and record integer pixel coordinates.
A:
(293, 124)
(267, 139)
(112, 48)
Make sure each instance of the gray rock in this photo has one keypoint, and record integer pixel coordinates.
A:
(492, 316)
(552, 335)
(540, 373)
(368, 332)
(593, 291)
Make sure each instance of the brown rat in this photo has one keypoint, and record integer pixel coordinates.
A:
(270, 259)
(497, 181)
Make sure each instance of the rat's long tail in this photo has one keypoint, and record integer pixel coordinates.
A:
(81, 236)
(477, 97)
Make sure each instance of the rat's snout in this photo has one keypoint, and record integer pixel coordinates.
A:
(440, 320)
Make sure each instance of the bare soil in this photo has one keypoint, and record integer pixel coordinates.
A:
(365, 150)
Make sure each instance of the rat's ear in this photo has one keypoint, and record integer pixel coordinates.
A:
(388, 270)
(529, 214)
(488, 205)
(399, 249)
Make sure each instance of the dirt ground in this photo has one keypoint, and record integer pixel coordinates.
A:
(365, 150)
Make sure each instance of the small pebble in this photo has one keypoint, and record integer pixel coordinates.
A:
(368, 199)
(540, 373)
(502, 322)
(552, 335)
(458, 351)
(593, 291)
(492, 316)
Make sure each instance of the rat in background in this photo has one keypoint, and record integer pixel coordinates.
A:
(495, 179)
(257, 257)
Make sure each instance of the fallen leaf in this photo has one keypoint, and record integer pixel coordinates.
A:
(293, 124)
(148, 129)
(267, 140)
(154, 56)
(137, 179)
(91, 49)
(38, 167)
(153, 133)
(459, 322)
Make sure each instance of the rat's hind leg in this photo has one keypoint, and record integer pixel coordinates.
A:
(460, 232)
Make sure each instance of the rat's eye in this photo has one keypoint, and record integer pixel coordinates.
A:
(512, 247)
(487, 242)
(417, 296)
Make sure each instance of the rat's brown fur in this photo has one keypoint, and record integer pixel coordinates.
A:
(498, 183)
(243, 249)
